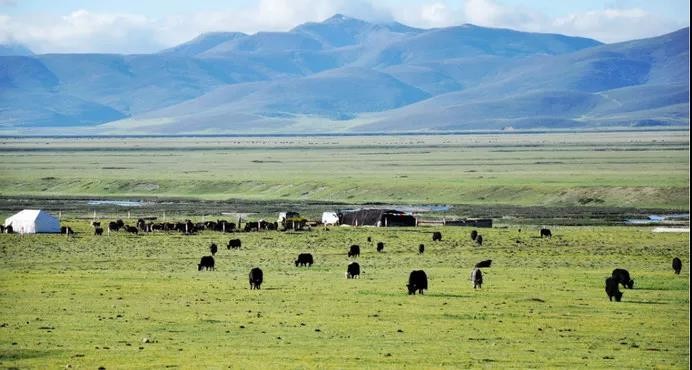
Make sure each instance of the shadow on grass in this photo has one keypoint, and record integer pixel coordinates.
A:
(645, 302)
(448, 295)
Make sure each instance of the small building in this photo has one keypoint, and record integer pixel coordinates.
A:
(32, 221)
(330, 218)
(376, 217)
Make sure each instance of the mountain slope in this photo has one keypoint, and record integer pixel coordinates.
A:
(358, 90)
(349, 74)
(14, 49)
(589, 87)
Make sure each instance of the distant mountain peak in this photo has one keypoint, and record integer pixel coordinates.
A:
(339, 18)
(203, 42)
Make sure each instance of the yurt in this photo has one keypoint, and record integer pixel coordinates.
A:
(32, 221)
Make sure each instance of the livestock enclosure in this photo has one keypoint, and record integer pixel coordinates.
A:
(138, 301)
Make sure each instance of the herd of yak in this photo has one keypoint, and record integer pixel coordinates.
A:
(418, 280)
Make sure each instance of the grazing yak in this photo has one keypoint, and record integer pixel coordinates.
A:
(421, 248)
(417, 281)
(369, 239)
(98, 231)
(485, 263)
(474, 234)
(354, 251)
(206, 263)
(2, 228)
(545, 233)
(437, 236)
(479, 240)
(612, 288)
(256, 277)
(131, 229)
(304, 259)
(9, 229)
(113, 226)
(380, 246)
(353, 270)
(677, 265)
(623, 277)
(213, 248)
(66, 230)
(477, 278)
(233, 243)
(96, 223)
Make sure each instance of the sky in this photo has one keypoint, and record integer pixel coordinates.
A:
(145, 26)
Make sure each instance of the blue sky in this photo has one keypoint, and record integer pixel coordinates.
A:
(137, 26)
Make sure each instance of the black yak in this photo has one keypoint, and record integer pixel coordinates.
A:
(98, 231)
(623, 277)
(213, 248)
(256, 277)
(612, 288)
(206, 263)
(304, 259)
(354, 251)
(479, 240)
(485, 263)
(677, 265)
(437, 236)
(477, 278)
(233, 243)
(421, 248)
(417, 281)
(131, 229)
(545, 233)
(380, 246)
(474, 234)
(353, 270)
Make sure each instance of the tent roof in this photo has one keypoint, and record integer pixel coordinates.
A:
(27, 214)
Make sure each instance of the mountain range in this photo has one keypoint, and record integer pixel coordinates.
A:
(349, 75)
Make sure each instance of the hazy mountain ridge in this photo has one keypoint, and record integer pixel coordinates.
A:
(348, 74)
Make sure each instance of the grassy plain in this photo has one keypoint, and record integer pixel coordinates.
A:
(613, 169)
(124, 301)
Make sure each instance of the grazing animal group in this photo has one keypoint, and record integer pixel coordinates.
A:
(612, 283)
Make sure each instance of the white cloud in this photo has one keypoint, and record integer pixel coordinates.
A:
(491, 14)
(89, 31)
(613, 25)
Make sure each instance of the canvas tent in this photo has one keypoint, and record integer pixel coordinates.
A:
(31, 221)
(376, 217)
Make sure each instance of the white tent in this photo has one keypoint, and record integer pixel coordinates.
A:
(31, 221)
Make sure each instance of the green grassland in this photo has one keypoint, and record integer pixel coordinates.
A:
(125, 301)
(614, 169)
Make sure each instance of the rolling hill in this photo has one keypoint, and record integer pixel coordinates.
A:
(346, 74)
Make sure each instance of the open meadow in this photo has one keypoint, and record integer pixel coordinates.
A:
(138, 301)
(604, 169)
